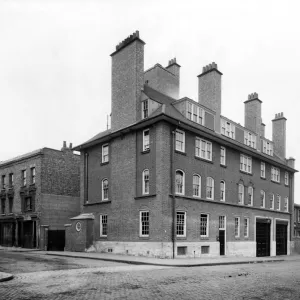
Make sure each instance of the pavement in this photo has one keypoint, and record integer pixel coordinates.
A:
(139, 260)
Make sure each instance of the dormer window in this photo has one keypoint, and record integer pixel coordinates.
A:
(267, 148)
(250, 139)
(227, 129)
(194, 113)
(145, 109)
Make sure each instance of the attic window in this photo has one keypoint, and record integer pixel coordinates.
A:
(145, 109)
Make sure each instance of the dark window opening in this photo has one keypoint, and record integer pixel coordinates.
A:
(181, 250)
(2, 206)
(28, 204)
(204, 249)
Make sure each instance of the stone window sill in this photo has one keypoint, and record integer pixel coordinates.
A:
(246, 173)
(95, 203)
(145, 151)
(275, 181)
(180, 152)
(223, 166)
(203, 159)
(104, 163)
(144, 196)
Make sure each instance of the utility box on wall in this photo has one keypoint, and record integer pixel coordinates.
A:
(80, 233)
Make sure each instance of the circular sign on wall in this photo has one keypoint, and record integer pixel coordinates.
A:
(78, 226)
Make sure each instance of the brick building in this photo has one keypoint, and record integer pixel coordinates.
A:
(175, 177)
(297, 220)
(39, 193)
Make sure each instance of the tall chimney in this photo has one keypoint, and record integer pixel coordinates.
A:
(174, 68)
(209, 90)
(127, 81)
(253, 114)
(262, 129)
(279, 134)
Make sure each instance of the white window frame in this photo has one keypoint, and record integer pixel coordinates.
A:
(146, 144)
(241, 191)
(102, 217)
(246, 227)
(199, 186)
(224, 191)
(262, 170)
(182, 143)
(250, 139)
(189, 110)
(286, 204)
(142, 223)
(286, 178)
(195, 113)
(103, 198)
(105, 157)
(275, 174)
(267, 148)
(250, 195)
(144, 191)
(227, 129)
(273, 200)
(184, 224)
(245, 163)
(206, 227)
(183, 183)
(24, 179)
(223, 156)
(203, 149)
(237, 229)
(145, 109)
(278, 202)
(262, 199)
(222, 221)
(212, 188)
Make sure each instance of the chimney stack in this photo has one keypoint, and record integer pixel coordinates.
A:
(209, 90)
(262, 129)
(279, 134)
(253, 114)
(127, 81)
(174, 68)
(71, 146)
(291, 162)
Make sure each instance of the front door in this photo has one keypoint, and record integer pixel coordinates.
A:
(28, 233)
(222, 241)
(281, 239)
(262, 239)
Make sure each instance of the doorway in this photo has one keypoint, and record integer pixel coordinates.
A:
(222, 241)
(263, 238)
(281, 239)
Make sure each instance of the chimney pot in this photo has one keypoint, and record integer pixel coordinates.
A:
(70, 146)
(64, 144)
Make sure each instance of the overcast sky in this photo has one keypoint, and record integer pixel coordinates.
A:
(55, 64)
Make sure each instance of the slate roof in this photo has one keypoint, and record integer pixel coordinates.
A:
(21, 157)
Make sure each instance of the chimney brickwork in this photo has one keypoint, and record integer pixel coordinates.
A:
(279, 135)
(209, 90)
(253, 119)
(127, 81)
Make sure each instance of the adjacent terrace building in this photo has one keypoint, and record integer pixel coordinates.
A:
(39, 193)
(175, 177)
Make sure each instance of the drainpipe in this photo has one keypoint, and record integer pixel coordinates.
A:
(173, 191)
(86, 155)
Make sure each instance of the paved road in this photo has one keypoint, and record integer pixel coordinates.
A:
(280, 280)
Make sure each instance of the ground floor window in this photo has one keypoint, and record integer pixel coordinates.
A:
(246, 227)
(237, 227)
(103, 225)
(144, 223)
(204, 225)
(181, 225)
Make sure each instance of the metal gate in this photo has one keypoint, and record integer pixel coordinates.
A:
(281, 239)
(56, 240)
(262, 239)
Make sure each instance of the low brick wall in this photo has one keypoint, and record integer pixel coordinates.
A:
(297, 245)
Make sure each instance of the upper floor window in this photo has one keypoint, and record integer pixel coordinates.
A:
(11, 179)
(204, 225)
(3, 181)
(105, 153)
(146, 140)
(203, 149)
(267, 148)
(245, 163)
(10, 203)
(278, 202)
(275, 174)
(227, 129)
(298, 215)
(179, 182)
(28, 204)
(250, 139)
(241, 194)
(181, 224)
(145, 109)
(262, 170)
(237, 227)
(223, 156)
(146, 182)
(286, 204)
(23, 177)
(262, 199)
(222, 190)
(250, 195)
(103, 225)
(180, 140)
(286, 178)
(209, 188)
(144, 223)
(3, 206)
(105, 189)
(196, 185)
(195, 113)
(271, 201)
(32, 175)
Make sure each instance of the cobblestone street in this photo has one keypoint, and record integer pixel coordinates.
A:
(92, 279)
